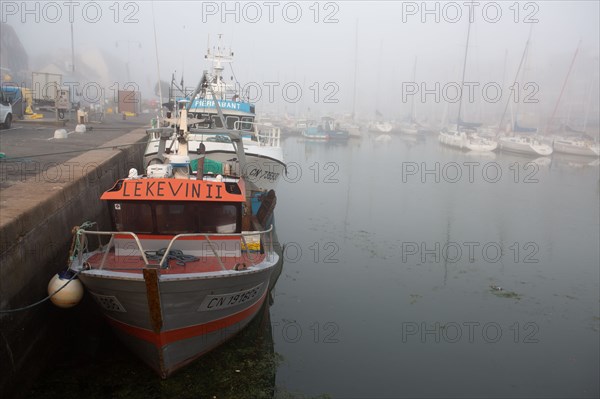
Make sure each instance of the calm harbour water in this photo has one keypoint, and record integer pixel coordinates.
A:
(392, 255)
(380, 282)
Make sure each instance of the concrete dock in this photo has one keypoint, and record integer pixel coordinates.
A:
(48, 186)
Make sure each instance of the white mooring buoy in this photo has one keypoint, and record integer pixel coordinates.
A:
(70, 295)
(80, 128)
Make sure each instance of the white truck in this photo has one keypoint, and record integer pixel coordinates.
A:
(44, 87)
(6, 114)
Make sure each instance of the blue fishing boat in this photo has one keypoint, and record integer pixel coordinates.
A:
(327, 130)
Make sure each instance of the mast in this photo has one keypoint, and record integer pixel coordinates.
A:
(589, 102)
(516, 78)
(157, 64)
(462, 83)
(218, 57)
(355, 70)
(377, 111)
(72, 50)
(565, 82)
(503, 85)
(412, 106)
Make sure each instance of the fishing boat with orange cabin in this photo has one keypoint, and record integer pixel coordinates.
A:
(187, 264)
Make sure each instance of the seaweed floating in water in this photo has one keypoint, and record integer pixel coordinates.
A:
(500, 292)
(414, 298)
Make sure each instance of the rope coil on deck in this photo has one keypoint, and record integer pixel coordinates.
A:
(175, 254)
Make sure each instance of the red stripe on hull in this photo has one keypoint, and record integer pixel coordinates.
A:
(166, 337)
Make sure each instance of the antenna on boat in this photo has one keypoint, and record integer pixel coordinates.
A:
(183, 65)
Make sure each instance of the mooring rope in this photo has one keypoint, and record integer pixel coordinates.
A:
(75, 246)
(76, 243)
(43, 300)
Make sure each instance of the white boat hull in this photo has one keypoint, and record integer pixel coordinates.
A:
(482, 145)
(453, 139)
(463, 141)
(526, 146)
(575, 147)
(382, 127)
(409, 130)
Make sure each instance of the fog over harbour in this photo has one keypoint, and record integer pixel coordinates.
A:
(359, 199)
(309, 45)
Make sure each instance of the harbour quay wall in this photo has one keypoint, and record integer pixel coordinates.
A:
(37, 215)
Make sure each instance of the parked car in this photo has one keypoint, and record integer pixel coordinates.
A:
(6, 114)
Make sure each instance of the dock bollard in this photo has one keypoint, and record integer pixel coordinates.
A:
(60, 134)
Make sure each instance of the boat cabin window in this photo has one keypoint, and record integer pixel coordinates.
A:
(231, 120)
(189, 217)
(206, 118)
(216, 121)
(172, 217)
(247, 123)
(132, 217)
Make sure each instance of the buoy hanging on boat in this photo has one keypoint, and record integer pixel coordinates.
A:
(70, 294)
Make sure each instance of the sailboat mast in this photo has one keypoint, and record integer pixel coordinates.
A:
(589, 102)
(503, 85)
(379, 77)
(355, 70)
(565, 83)
(412, 106)
(516, 78)
(157, 63)
(462, 83)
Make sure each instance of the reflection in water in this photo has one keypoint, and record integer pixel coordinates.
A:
(566, 161)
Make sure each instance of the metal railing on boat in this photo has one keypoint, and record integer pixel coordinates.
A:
(268, 135)
(163, 261)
